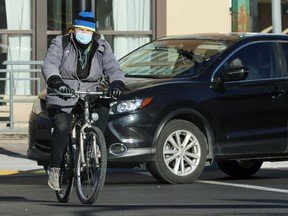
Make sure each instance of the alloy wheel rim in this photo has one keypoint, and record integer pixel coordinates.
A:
(181, 152)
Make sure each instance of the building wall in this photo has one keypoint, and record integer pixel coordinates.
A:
(195, 16)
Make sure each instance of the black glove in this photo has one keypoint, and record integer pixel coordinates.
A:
(57, 83)
(116, 88)
(62, 87)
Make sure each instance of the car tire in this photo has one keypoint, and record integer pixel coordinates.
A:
(240, 168)
(177, 164)
(45, 167)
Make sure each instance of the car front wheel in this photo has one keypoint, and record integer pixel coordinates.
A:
(181, 153)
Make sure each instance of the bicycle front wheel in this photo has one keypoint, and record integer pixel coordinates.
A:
(91, 169)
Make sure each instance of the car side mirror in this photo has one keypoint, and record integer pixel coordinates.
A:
(234, 73)
(230, 74)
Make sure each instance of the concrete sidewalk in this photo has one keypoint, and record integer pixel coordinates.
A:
(13, 159)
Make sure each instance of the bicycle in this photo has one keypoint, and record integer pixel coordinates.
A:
(85, 158)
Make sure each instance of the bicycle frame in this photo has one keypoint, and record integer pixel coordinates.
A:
(89, 159)
(89, 119)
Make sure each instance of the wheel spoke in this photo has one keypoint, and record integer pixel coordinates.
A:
(192, 163)
(182, 171)
(191, 144)
(192, 155)
(177, 165)
(170, 151)
(178, 138)
(173, 142)
(172, 158)
(186, 140)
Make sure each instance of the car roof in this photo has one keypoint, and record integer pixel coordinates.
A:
(231, 36)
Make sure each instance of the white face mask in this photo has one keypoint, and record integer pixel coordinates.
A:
(83, 38)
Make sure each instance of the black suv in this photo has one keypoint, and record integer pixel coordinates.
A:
(191, 100)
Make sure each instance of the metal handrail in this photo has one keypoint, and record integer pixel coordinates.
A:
(36, 81)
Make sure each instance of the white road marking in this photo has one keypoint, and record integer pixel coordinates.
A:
(245, 186)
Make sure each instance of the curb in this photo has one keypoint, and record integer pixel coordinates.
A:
(13, 136)
(9, 173)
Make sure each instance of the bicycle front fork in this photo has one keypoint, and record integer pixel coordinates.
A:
(92, 141)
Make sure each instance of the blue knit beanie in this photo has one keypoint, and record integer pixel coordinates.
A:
(85, 19)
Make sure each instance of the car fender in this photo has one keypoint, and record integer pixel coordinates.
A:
(192, 116)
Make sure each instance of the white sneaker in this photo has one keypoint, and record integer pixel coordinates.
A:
(53, 179)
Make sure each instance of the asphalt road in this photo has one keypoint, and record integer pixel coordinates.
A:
(127, 192)
(137, 193)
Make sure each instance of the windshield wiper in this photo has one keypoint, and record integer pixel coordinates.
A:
(186, 53)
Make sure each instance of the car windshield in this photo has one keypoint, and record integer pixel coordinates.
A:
(167, 58)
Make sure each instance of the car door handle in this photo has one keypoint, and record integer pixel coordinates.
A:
(276, 93)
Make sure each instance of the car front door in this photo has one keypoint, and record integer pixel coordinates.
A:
(253, 115)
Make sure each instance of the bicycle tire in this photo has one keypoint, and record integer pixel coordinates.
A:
(90, 178)
(66, 177)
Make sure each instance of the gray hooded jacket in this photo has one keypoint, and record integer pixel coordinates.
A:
(63, 63)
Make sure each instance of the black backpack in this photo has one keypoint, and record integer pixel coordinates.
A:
(65, 41)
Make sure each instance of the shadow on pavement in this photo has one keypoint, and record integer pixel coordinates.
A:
(11, 153)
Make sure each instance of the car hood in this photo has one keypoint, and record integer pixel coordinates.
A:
(132, 84)
(146, 87)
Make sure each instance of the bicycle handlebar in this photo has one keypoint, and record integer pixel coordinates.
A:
(76, 93)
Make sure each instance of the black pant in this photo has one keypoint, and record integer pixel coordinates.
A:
(62, 126)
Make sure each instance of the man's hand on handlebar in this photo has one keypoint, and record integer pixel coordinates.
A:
(62, 87)
(61, 92)
(57, 83)
(116, 88)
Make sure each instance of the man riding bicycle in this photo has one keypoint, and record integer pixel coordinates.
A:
(81, 64)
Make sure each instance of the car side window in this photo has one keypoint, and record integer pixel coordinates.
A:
(285, 52)
(258, 58)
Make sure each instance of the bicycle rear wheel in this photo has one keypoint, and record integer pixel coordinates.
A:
(66, 177)
(90, 175)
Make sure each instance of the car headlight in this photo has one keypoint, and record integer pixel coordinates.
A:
(129, 105)
(37, 107)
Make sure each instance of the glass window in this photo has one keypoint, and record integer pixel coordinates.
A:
(16, 15)
(59, 15)
(285, 51)
(258, 58)
(124, 15)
